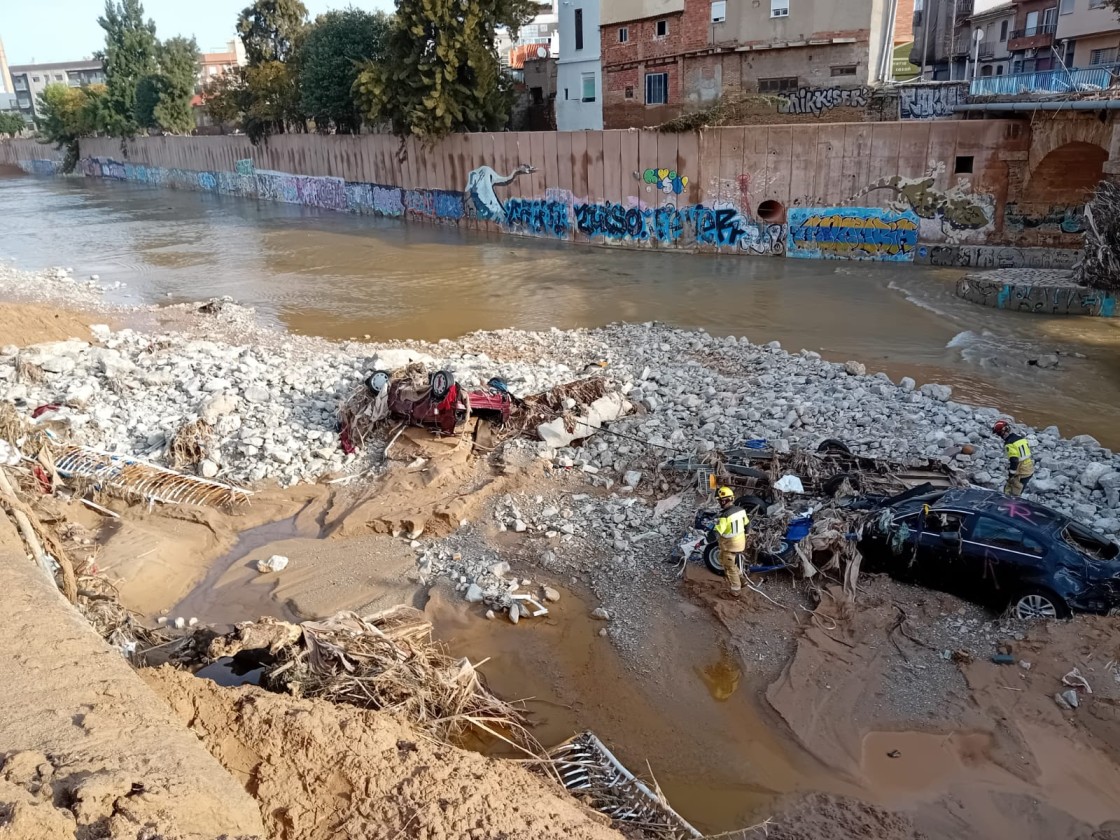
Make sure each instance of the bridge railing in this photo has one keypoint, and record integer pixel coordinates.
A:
(1046, 81)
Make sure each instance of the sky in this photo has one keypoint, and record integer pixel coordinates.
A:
(66, 30)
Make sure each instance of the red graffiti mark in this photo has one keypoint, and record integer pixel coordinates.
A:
(1014, 510)
(745, 193)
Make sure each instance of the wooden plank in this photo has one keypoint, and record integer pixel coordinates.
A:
(690, 165)
(630, 167)
(648, 162)
(537, 182)
(512, 160)
(564, 175)
(595, 174)
(667, 146)
(613, 170)
(579, 164)
(548, 160)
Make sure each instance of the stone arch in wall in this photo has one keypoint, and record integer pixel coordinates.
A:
(1065, 176)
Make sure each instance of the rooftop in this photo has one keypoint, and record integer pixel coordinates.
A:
(89, 64)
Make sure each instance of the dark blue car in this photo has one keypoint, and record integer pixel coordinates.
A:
(996, 550)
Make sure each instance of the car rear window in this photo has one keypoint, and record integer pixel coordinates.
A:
(998, 534)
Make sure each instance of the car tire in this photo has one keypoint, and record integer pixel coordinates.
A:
(441, 383)
(753, 505)
(377, 381)
(711, 560)
(832, 446)
(1038, 602)
(784, 556)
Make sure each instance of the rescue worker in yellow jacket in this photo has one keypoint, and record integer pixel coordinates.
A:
(731, 531)
(1020, 464)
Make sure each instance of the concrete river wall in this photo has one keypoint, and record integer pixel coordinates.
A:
(929, 192)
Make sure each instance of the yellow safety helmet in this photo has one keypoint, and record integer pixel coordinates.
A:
(725, 493)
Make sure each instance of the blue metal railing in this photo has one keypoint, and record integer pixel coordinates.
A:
(1046, 81)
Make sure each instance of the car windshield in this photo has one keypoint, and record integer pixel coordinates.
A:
(1088, 543)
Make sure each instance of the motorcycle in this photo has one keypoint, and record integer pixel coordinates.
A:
(704, 548)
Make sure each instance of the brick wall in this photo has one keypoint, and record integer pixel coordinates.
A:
(904, 22)
(625, 65)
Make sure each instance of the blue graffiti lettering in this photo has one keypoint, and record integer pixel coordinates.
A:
(540, 217)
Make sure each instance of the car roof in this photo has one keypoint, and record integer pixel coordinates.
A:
(1000, 506)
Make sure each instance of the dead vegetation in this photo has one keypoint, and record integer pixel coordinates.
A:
(729, 109)
(191, 444)
(1100, 267)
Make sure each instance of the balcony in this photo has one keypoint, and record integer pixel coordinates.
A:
(986, 51)
(1033, 37)
(1047, 81)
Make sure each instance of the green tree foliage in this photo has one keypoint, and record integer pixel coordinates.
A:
(272, 102)
(441, 71)
(67, 114)
(330, 54)
(269, 29)
(225, 98)
(129, 56)
(178, 64)
(11, 124)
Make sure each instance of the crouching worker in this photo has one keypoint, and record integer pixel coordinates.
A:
(1020, 464)
(731, 531)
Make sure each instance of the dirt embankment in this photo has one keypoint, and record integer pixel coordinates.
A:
(23, 324)
(86, 749)
(322, 771)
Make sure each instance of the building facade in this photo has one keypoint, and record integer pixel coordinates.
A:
(541, 33)
(662, 58)
(579, 99)
(993, 58)
(1033, 43)
(30, 80)
(943, 38)
(1089, 31)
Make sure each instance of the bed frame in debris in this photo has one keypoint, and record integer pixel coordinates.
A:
(591, 772)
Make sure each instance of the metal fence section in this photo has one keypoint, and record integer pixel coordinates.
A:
(1046, 81)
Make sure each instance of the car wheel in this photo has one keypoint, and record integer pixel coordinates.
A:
(711, 559)
(441, 383)
(832, 446)
(377, 381)
(1033, 604)
(753, 505)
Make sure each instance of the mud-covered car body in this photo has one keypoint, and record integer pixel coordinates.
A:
(996, 550)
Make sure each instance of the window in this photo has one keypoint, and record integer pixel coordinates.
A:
(1066, 7)
(844, 70)
(964, 165)
(1098, 57)
(719, 11)
(58, 77)
(996, 534)
(986, 70)
(1097, 4)
(779, 8)
(657, 88)
(24, 101)
(1032, 24)
(579, 29)
(1050, 18)
(1003, 32)
(537, 95)
(34, 78)
(629, 93)
(999, 70)
(623, 34)
(661, 29)
(780, 85)
(588, 81)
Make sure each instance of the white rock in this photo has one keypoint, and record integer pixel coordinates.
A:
(551, 594)
(216, 407)
(490, 615)
(180, 623)
(1085, 440)
(499, 570)
(907, 384)
(514, 612)
(392, 358)
(256, 394)
(941, 393)
(855, 368)
(100, 331)
(208, 468)
(275, 563)
(600, 614)
(632, 478)
(519, 526)
(1092, 474)
(474, 594)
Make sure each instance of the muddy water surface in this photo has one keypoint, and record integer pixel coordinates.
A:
(339, 276)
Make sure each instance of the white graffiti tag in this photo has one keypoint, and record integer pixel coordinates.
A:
(480, 187)
(816, 101)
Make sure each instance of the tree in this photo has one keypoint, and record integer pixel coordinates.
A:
(129, 56)
(330, 53)
(178, 64)
(441, 72)
(67, 114)
(11, 124)
(272, 101)
(269, 29)
(224, 99)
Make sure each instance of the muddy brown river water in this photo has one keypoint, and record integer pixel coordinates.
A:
(339, 276)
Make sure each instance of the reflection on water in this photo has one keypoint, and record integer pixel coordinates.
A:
(722, 676)
(339, 276)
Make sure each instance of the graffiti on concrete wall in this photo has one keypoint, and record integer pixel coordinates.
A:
(955, 210)
(40, 166)
(819, 101)
(481, 186)
(929, 101)
(243, 167)
(695, 224)
(857, 233)
(434, 204)
(666, 180)
(996, 256)
(1021, 291)
(538, 216)
(1053, 220)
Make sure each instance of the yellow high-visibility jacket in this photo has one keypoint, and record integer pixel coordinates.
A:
(731, 527)
(1019, 457)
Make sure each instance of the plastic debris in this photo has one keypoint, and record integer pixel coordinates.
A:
(789, 484)
(275, 563)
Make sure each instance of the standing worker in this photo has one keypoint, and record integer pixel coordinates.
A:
(731, 531)
(1020, 464)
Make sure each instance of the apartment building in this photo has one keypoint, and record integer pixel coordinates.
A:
(663, 57)
(579, 96)
(30, 80)
(1088, 33)
(992, 55)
